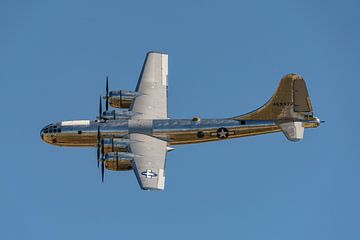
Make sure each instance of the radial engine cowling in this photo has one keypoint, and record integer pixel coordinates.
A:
(118, 161)
(122, 98)
(112, 145)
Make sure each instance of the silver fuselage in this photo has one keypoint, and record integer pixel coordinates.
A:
(174, 131)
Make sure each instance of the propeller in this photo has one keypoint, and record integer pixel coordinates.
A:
(98, 146)
(100, 109)
(100, 153)
(100, 141)
(102, 160)
(107, 94)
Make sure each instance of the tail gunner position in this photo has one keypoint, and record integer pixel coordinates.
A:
(140, 137)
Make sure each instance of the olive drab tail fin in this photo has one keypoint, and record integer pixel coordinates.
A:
(289, 107)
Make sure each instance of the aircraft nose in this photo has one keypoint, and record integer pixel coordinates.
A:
(49, 133)
(44, 133)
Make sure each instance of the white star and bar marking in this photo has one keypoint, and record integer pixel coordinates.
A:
(222, 133)
(149, 173)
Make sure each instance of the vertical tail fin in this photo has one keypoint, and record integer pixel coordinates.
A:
(291, 101)
(289, 107)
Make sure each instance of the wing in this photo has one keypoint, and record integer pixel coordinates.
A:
(152, 86)
(149, 161)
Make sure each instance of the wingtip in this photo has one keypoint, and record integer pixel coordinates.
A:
(157, 52)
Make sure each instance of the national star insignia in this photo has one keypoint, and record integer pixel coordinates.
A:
(222, 133)
(149, 173)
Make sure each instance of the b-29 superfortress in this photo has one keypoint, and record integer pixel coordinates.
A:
(139, 138)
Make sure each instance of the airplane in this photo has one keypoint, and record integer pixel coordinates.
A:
(139, 137)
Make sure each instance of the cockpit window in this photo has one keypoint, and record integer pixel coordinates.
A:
(52, 129)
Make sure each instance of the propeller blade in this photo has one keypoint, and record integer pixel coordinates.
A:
(98, 156)
(102, 171)
(107, 85)
(107, 94)
(100, 109)
(102, 147)
(102, 160)
(98, 146)
(98, 135)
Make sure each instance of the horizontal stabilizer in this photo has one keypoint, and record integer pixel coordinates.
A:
(294, 131)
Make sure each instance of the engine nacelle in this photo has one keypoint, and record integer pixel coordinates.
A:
(122, 98)
(117, 114)
(112, 145)
(118, 161)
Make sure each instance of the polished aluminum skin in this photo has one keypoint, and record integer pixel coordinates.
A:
(174, 131)
(139, 138)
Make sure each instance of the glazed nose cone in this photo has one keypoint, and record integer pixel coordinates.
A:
(42, 134)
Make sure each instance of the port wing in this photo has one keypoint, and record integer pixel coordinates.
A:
(152, 88)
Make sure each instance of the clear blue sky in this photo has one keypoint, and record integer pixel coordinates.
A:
(226, 58)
